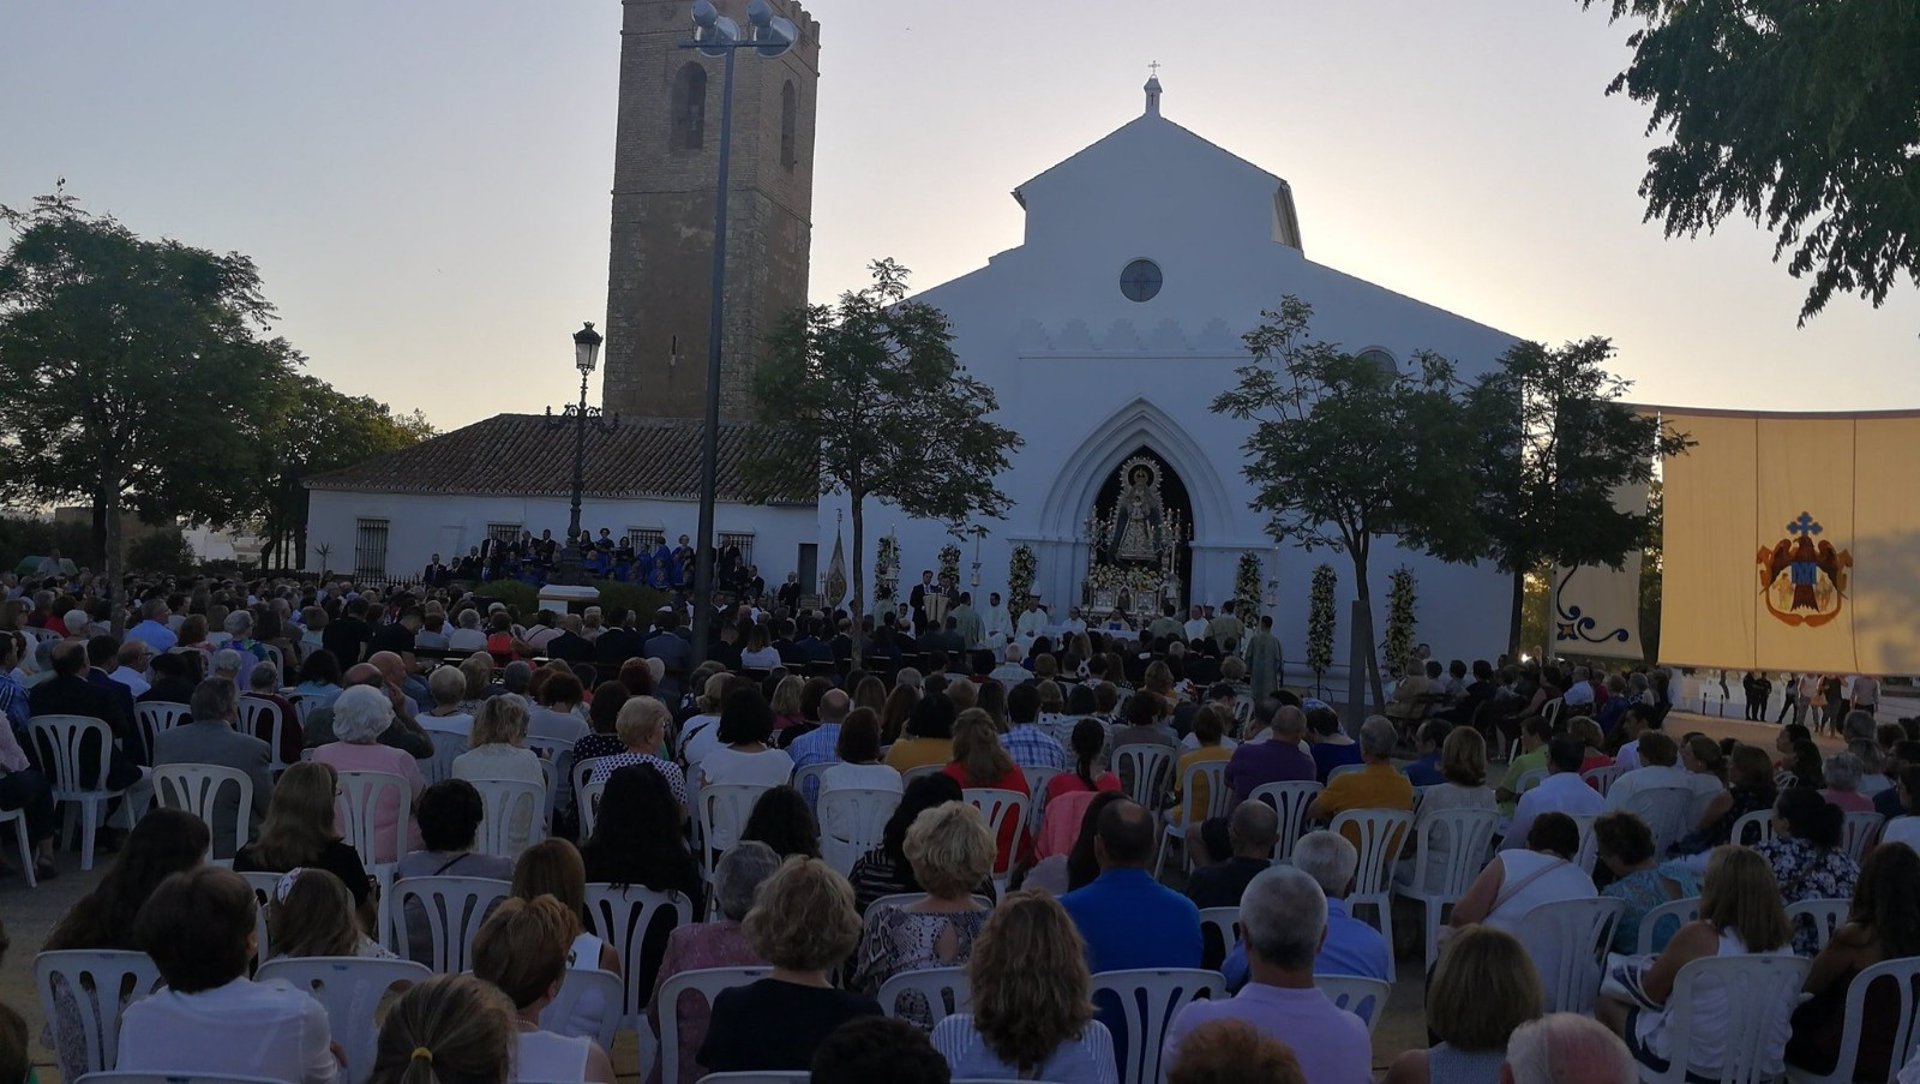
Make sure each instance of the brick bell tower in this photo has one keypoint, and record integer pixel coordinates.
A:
(666, 161)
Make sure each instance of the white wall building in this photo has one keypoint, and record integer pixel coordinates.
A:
(1106, 335)
(1089, 375)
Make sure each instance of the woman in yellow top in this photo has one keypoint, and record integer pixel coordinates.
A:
(1209, 727)
(929, 737)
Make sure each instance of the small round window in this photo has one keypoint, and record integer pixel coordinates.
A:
(1141, 280)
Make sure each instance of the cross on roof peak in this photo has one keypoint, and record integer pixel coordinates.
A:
(1153, 69)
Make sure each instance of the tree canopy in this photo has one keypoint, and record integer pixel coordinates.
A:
(1802, 116)
(872, 386)
(1555, 442)
(1345, 451)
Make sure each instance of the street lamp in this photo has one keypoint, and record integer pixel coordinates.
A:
(716, 35)
(586, 352)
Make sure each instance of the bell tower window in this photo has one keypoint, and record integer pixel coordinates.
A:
(689, 107)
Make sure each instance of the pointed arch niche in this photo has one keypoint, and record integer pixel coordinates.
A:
(1060, 530)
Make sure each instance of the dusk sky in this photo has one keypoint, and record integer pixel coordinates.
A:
(425, 184)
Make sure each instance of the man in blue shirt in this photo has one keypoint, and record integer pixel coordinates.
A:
(1128, 919)
(821, 745)
(1352, 947)
(1425, 770)
(153, 631)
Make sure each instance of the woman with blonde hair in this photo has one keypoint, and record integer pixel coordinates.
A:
(700, 734)
(1159, 681)
(1463, 785)
(870, 692)
(299, 831)
(477, 670)
(1033, 1010)
(553, 867)
(311, 914)
(495, 752)
(951, 853)
(1740, 915)
(1484, 987)
(450, 1029)
(804, 924)
(522, 949)
(786, 702)
(981, 762)
(642, 729)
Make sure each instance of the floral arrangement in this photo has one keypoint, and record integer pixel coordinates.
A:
(949, 574)
(1400, 603)
(1136, 579)
(1246, 584)
(1320, 622)
(886, 568)
(1020, 577)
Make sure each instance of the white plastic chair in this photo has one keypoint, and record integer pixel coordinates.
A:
(1363, 997)
(1568, 940)
(1827, 916)
(1760, 992)
(196, 788)
(1438, 884)
(1213, 774)
(1664, 811)
(942, 990)
(1753, 829)
(361, 795)
(723, 810)
(1859, 832)
(1290, 800)
(264, 720)
(578, 984)
(807, 781)
(1680, 912)
(851, 823)
(19, 821)
(446, 746)
(1145, 769)
(1037, 780)
(349, 988)
(1601, 778)
(58, 739)
(1219, 926)
(705, 981)
(1345, 769)
(623, 918)
(303, 707)
(907, 777)
(96, 981)
(156, 717)
(453, 909)
(590, 796)
(515, 816)
(118, 1077)
(263, 885)
(1378, 834)
(1148, 999)
(1000, 808)
(1904, 977)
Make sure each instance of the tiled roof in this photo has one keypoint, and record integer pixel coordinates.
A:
(520, 455)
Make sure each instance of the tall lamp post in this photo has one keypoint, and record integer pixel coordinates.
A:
(716, 35)
(586, 352)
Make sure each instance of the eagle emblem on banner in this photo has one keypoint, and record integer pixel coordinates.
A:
(1803, 578)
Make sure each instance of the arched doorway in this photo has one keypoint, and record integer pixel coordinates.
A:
(1177, 508)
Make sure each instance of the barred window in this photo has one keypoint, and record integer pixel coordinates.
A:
(744, 542)
(645, 539)
(370, 548)
(503, 532)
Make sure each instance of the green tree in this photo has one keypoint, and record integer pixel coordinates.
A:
(1555, 442)
(136, 373)
(1345, 451)
(1802, 116)
(316, 428)
(873, 387)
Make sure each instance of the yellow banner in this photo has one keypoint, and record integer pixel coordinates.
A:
(1792, 543)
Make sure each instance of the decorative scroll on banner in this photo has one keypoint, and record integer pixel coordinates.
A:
(1596, 608)
(1792, 543)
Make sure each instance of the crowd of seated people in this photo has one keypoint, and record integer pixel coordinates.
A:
(1007, 817)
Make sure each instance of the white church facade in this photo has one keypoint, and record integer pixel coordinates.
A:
(1106, 335)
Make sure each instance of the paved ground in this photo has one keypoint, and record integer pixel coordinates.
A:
(30, 914)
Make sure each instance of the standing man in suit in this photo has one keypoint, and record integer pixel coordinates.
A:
(917, 600)
(211, 739)
(436, 572)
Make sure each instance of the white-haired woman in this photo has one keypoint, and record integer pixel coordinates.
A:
(1843, 773)
(469, 636)
(360, 715)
